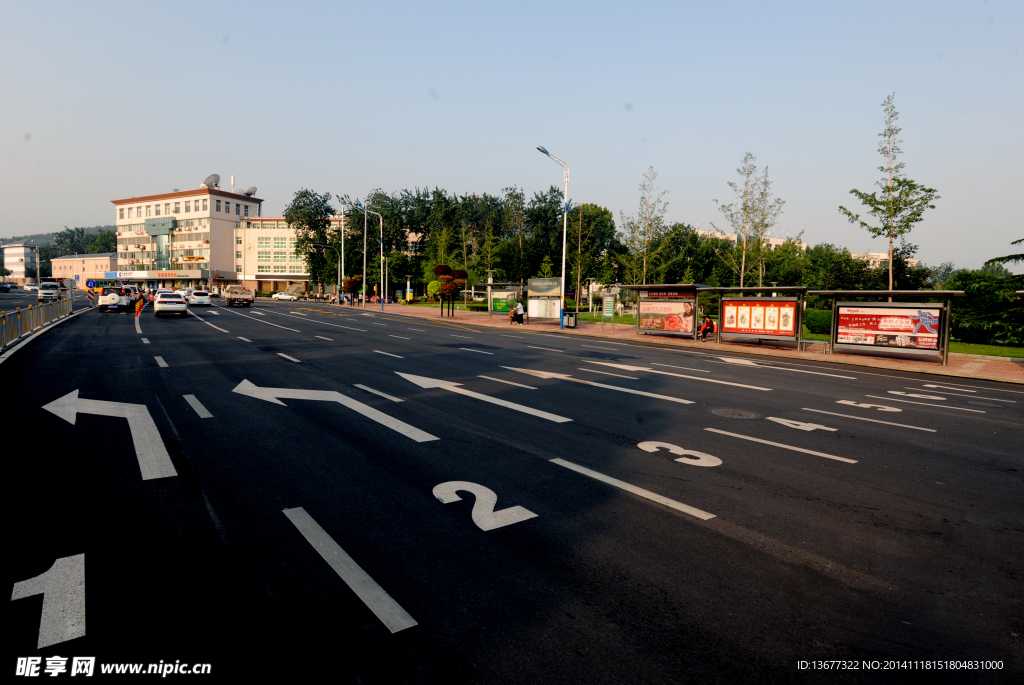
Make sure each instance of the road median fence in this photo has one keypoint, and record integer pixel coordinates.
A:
(19, 323)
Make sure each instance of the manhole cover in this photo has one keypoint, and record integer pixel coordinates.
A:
(983, 404)
(734, 413)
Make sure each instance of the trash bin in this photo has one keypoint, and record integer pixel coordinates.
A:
(569, 320)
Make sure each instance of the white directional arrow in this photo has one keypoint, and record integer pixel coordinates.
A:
(456, 388)
(154, 462)
(567, 377)
(629, 367)
(276, 394)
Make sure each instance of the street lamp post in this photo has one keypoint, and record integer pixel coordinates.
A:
(565, 228)
(344, 204)
(331, 247)
(365, 213)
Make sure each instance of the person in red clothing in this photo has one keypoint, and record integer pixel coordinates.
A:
(706, 326)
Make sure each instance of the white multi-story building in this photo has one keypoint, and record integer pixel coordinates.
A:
(732, 237)
(877, 259)
(20, 260)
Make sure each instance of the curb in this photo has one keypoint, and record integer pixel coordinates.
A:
(33, 336)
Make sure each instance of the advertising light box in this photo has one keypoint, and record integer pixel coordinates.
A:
(671, 316)
(761, 317)
(913, 328)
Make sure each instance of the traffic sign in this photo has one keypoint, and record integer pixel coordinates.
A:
(76, 277)
(89, 284)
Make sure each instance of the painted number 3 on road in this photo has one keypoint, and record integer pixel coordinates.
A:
(691, 457)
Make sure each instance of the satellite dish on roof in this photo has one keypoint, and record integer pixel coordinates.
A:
(251, 191)
(212, 181)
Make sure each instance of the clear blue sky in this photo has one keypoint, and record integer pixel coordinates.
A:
(108, 100)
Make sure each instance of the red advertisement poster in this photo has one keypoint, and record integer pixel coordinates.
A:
(909, 327)
(671, 316)
(759, 317)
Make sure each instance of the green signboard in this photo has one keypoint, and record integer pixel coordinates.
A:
(609, 306)
(503, 302)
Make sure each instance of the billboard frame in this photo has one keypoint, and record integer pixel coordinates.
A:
(670, 292)
(798, 325)
(942, 347)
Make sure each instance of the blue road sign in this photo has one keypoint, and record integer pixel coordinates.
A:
(90, 284)
(76, 277)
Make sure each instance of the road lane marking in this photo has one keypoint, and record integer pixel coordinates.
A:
(215, 313)
(861, 418)
(499, 380)
(396, 356)
(274, 395)
(299, 313)
(799, 425)
(484, 515)
(469, 349)
(646, 494)
(398, 336)
(685, 368)
(161, 363)
(751, 362)
(567, 377)
(266, 322)
(418, 330)
(390, 613)
(378, 324)
(629, 367)
(154, 462)
(605, 373)
(450, 386)
(460, 336)
(510, 336)
(865, 405)
(145, 341)
(915, 395)
(610, 349)
(194, 402)
(323, 338)
(925, 404)
(138, 328)
(63, 589)
(785, 447)
(979, 387)
(245, 339)
(973, 397)
(378, 392)
(691, 457)
(322, 323)
(292, 359)
(533, 347)
(259, 313)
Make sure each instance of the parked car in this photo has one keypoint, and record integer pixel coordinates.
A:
(49, 292)
(199, 298)
(112, 298)
(283, 296)
(5, 287)
(170, 303)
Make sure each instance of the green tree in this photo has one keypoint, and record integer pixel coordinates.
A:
(310, 215)
(751, 218)
(646, 236)
(545, 268)
(71, 241)
(901, 202)
(105, 241)
(1008, 258)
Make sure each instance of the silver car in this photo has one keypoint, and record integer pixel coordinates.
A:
(199, 298)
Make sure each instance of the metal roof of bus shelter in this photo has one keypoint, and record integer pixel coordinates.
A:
(888, 293)
(651, 286)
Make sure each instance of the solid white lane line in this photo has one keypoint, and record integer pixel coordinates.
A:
(398, 336)
(510, 336)
(979, 387)
(145, 341)
(685, 368)
(390, 613)
(548, 349)
(245, 339)
(605, 373)
(460, 336)
(217, 327)
(322, 337)
(161, 363)
(630, 367)
(751, 362)
(973, 397)
(924, 404)
(785, 447)
(451, 386)
(194, 402)
(378, 392)
(610, 349)
(291, 359)
(389, 354)
(499, 380)
(861, 418)
(265, 322)
(322, 323)
(469, 349)
(646, 494)
(138, 329)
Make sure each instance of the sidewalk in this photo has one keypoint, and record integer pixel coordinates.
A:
(1004, 369)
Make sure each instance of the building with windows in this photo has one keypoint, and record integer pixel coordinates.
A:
(877, 259)
(265, 256)
(733, 238)
(84, 267)
(20, 260)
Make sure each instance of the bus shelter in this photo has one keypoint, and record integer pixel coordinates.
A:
(666, 308)
(916, 328)
(762, 313)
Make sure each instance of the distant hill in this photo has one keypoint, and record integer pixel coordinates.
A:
(45, 238)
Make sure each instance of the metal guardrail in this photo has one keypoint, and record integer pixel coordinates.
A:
(16, 324)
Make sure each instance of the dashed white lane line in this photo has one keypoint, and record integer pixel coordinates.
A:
(207, 322)
(138, 328)
(751, 362)
(469, 349)
(630, 367)
(610, 349)
(646, 494)
(418, 330)
(215, 313)
(547, 349)
(396, 356)
(779, 444)
(460, 336)
(244, 339)
(378, 392)
(259, 313)
(605, 373)
(322, 338)
(291, 359)
(510, 336)
(861, 418)
(323, 323)
(161, 363)
(193, 402)
(399, 336)
(925, 404)
(499, 380)
(685, 368)
(145, 341)
(265, 322)
(974, 397)
(390, 613)
(300, 313)
(378, 324)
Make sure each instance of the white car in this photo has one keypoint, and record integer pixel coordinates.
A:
(199, 298)
(49, 292)
(170, 303)
(283, 296)
(31, 288)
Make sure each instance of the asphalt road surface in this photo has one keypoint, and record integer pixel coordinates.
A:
(304, 491)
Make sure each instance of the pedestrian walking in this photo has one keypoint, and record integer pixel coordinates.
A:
(519, 313)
